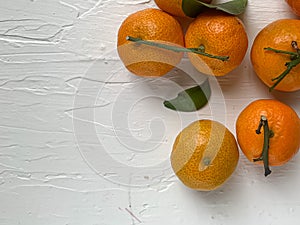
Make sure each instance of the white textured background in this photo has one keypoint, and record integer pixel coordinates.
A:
(83, 142)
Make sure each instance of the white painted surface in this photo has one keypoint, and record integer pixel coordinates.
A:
(83, 142)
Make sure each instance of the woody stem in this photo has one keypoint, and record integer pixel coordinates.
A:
(281, 51)
(295, 60)
(265, 151)
(200, 50)
(290, 65)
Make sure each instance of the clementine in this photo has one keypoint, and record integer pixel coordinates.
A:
(275, 58)
(153, 25)
(280, 140)
(204, 155)
(295, 6)
(220, 34)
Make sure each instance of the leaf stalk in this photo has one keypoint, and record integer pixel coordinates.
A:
(200, 50)
(295, 60)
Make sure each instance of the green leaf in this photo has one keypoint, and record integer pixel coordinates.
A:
(191, 99)
(234, 7)
(192, 8)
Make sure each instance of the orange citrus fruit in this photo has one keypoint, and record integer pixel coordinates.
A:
(204, 155)
(284, 131)
(219, 34)
(295, 6)
(173, 7)
(268, 64)
(152, 25)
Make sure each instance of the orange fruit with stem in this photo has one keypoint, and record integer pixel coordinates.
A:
(295, 6)
(152, 25)
(275, 55)
(268, 132)
(217, 33)
(174, 7)
(204, 155)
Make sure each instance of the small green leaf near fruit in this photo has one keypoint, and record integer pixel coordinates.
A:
(192, 8)
(191, 99)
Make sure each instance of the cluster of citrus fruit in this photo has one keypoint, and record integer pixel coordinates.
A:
(151, 43)
(216, 42)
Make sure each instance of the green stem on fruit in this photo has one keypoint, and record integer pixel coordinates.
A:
(200, 50)
(265, 151)
(281, 51)
(290, 65)
(295, 60)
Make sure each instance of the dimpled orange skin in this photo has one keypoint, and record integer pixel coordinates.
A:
(282, 120)
(267, 64)
(171, 6)
(204, 155)
(221, 34)
(152, 25)
(174, 7)
(295, 6)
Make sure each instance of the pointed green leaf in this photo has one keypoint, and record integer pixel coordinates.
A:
(193, 7)
(191, 99)
(234, 7)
